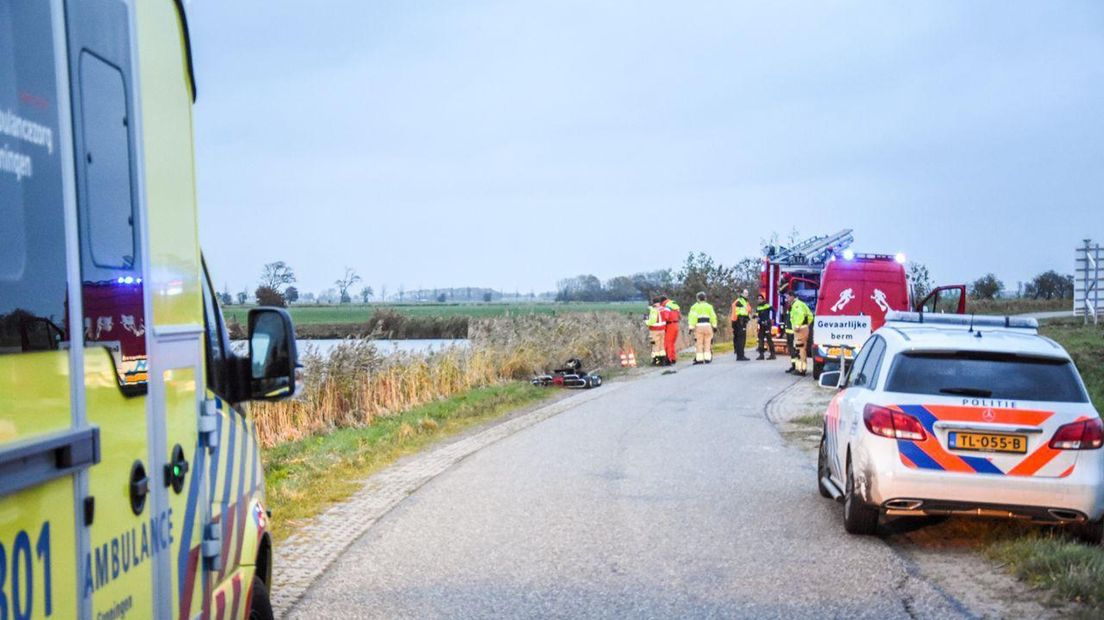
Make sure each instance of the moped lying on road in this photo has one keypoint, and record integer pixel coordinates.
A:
(571, 375)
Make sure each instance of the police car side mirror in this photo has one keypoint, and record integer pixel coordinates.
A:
(273, 356)
(830, 379)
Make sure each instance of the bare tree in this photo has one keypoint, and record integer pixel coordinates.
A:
(344, 283)
(277, 275)
(366, 293)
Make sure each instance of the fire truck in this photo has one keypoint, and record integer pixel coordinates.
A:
(796, 270)
(849, 293)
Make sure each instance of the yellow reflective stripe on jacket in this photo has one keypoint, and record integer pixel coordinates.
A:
(654, 319)
(702, 309)
(800, 314)
(741, 307)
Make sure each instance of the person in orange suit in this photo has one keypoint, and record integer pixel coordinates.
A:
(674, 314)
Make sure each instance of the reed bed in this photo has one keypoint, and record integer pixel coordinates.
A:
(355, 385)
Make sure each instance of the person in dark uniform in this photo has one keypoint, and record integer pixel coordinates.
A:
(763, 318)
(740, 316)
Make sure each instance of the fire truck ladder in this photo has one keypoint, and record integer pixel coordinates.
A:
(812, 251)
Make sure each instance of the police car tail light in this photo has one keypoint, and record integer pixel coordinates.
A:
(892, 424)
(1083, 435)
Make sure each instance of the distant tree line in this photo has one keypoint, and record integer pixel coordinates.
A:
(698, 273)
(636, 287)
(275, 287)
(1046, 285)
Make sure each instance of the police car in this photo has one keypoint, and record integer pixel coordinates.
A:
(958, 415)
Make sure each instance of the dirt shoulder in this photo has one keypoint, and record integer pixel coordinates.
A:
(948, 552)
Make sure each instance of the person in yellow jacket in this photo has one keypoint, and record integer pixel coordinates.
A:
(801, 317)
(657, 325)
(740, 315)
(703, 320)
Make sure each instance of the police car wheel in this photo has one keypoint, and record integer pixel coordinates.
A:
(1090, 532)
(858, 518)
(260, 607)
(822, 467)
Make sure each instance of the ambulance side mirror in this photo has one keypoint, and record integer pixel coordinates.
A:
(273, 357)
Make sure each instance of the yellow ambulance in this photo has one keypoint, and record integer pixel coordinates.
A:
(130, 478)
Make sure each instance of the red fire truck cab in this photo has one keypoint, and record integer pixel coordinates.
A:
(856, 291)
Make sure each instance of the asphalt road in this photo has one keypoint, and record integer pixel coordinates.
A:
(672, 497)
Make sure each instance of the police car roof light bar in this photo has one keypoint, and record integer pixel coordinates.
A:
(960, 320)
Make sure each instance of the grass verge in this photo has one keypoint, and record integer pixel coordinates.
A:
(1069, 570)
(305, 477)
(362, 313)
(814, 420)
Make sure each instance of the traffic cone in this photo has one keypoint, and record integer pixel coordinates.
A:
(632, 359)
(624, 359)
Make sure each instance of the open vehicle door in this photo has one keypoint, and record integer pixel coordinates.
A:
(945, 300)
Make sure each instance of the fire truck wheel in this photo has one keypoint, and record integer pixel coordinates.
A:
(260, 608)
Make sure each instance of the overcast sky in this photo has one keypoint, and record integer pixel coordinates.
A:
(509, 144)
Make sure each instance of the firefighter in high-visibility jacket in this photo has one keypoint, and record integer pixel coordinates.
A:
(656, 329)
(801, 317)
(703, 320)
(763, 318)
(670, 335)
(740, 315)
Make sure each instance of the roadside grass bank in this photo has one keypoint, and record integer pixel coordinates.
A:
(1067, 570)
(1017, 306)
(304, 315)
(306, 476)
(356, 386)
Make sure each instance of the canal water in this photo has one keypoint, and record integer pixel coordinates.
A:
(324, 346)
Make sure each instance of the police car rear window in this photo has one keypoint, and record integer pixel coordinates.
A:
(986, 375)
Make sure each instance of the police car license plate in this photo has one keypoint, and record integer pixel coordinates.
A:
(987, 442)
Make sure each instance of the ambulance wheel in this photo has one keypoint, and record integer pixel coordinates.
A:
(822, 467)
(858, 518)
(260, 608)
(1090, 532)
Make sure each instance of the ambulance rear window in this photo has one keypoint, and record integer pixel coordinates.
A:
(32, 222)
(986, 375)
